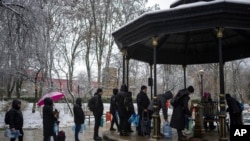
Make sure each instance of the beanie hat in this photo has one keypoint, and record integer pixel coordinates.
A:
(99, 90)
(124, 88)
(143, 87)
(115, 91)
(190, 89)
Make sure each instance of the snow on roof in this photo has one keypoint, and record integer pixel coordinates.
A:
(195, 4)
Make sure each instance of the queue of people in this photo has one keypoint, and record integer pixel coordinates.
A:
(121, 108)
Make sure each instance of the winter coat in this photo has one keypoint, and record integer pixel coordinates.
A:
(142, 102)
(48, 117)
(98, 106)
(79, 115)
(15, 115)
(161, 102)
(113, 106)
(233, 105)
(235, 110)
(180, 110)
(121, 108)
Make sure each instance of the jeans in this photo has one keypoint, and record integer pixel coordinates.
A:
(77, 130)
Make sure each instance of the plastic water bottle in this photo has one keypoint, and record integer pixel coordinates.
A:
(56, 128)
(117, 116)
(167, 131)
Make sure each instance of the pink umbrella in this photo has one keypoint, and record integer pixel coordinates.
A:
(53, 95)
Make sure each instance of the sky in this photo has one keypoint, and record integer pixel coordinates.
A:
(164, 4)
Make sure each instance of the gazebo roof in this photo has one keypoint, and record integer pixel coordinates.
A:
(187, 34)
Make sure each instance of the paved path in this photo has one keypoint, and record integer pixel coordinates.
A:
(37, 135)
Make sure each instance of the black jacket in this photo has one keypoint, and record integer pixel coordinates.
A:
(15, 115)
(98, 106)
(121, 108)
(79, 115)
(142, 102)
(179, 111)
(48, 118)
(113, 106)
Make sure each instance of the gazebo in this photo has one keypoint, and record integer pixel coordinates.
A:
(190, 32)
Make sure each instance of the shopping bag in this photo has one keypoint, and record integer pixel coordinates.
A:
(131, 118)
(190, 126)
(12, 134)
(117, 116)
(83, 128)
(134, 119)
(101, 122)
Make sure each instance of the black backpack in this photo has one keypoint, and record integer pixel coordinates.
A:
(175, 100)
(128, 103)
(7, 117)
(92, 103)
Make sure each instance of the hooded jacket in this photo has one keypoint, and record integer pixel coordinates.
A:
(15, 115)
(99, 105)
(48, 117)
(79, 115)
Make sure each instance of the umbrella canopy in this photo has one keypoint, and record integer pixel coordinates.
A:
(55, 96)
(187, 34)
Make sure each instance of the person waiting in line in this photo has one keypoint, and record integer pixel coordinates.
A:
(130, 109)
(16, 119)
(113, 110)
(180, 109)
(79, 117)
(98, 112)
(122, 112)
(49, 119)
(142, 105)
(234, 109)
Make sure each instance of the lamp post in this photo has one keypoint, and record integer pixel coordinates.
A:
(199, 130)
(201, 73)
(155, 115)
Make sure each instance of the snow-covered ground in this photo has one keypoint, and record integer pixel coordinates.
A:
(34, 120)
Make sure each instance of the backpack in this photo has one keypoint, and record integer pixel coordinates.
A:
(92, 103)
(175, 100)
(7, 117)
(128, 103)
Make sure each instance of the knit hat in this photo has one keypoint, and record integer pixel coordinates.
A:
(190, 89)
(99, 90)
(124, 88)
(115, 91)
(143, 87)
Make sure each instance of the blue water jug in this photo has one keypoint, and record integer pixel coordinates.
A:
(167, 131)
